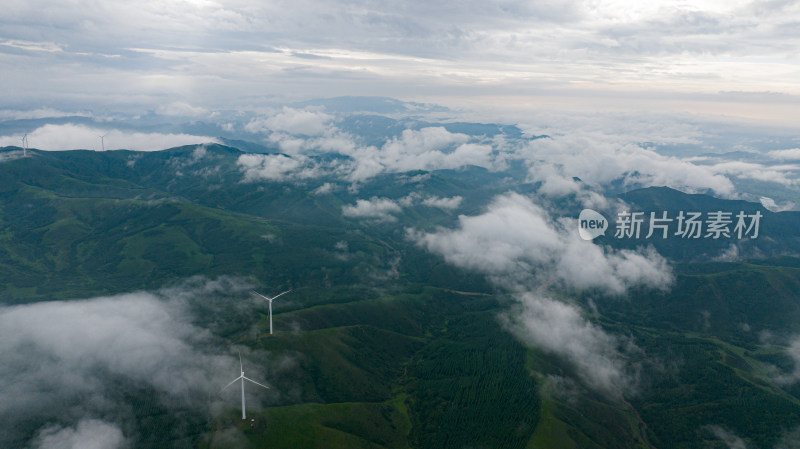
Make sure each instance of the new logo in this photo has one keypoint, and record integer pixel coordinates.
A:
(591, 224)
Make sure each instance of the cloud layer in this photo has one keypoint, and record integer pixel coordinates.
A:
(516, 239)
(87, 434)
(75, 358)
(80, 137)
(559, 328)
(380, 209)
(276, 167)
(575, 53)
(384, 209)
(599, 160)
(309, 132)
(580, 156)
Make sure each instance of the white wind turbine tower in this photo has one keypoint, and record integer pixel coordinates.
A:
(25, 145)
(270, 306)
(102, 141)
(243, 378)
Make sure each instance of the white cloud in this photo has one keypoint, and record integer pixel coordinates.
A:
(728, 437)
(770, 204)
(790, 154)
(47, 47)
(425, 140)
(305, 122)
(731, 254)
(383, 209)
(432, 148)
(410, 199)
(443, 203)
(365, 168)
(793, 351)
(517, 239)
(559, 328)
(781, 174)
(275, 167)
(598, 160)
(335, 141)
(87, 434)
(74, 137)
(379, 209)
(135, 335)
(288, 144)
(64, 361)
(324, 189)
(622, 126)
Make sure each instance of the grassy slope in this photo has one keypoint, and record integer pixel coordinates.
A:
(437, 359)
(314, 425)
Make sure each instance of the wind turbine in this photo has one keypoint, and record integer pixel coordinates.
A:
(270, 306)
(102, 142)
(25, 145)
(243, 378)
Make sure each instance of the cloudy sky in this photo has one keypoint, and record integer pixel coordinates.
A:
(191, 57)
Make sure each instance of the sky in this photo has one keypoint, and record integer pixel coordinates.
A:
(729, 58)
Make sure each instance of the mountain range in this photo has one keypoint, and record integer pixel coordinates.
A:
(384, 342)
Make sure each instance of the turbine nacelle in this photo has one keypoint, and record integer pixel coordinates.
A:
(269, 300)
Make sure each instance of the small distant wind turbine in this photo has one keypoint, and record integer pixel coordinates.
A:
(25, 145)
(102, 141)
(270, 306)
(243, 378)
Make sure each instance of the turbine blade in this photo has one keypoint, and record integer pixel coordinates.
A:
(268, 298)
(241, 367)
(259, 294)
(232, 382)
(251, 380)
(287, 291)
